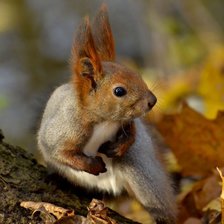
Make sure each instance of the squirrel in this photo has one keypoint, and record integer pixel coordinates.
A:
(92, 132)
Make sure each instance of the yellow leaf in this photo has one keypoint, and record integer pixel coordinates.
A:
(211, 84)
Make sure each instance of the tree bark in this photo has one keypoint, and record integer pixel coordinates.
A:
(23, 179)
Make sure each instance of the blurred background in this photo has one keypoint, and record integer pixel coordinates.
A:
(176, 45)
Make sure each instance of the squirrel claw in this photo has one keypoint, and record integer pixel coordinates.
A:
(98, 166)
(108, 149)
(111, 150)
(111, 153)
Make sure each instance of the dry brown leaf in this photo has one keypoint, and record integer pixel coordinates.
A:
(214, 205)
(199, 202)
(57, 211)
(98, 213)
(197, 142)
(44, 215)
(212, 217)
(222, 194)
(202, 193)
(212, 211)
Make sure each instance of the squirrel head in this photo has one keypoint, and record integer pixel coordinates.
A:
(104, 88)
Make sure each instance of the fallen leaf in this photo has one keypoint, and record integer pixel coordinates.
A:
(215, 205)
(212, 211)
(98, 213)
(196, 141)
(44, 215)
(212, 217)
(222, 194)
(201, 200)
(57, 211)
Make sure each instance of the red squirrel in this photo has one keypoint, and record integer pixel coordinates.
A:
(91, 131)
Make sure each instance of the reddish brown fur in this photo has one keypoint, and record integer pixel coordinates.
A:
(97, 48)
(105, 98)
(87, 79)
(103, 36)
(71, 153)
(84, 47)
(125, 138)
(84, 51)
(76, 159)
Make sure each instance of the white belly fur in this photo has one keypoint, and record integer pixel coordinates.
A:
(111, 181)
(102, 132)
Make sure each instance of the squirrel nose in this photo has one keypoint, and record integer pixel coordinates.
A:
(152, 100)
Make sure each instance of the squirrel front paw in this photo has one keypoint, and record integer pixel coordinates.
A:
(109, 149)
(124, 139)
(97, 166)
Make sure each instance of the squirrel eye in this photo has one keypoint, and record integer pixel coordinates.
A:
(120, 91)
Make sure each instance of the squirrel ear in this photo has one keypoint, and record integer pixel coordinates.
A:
(85, 60)
(103, 36)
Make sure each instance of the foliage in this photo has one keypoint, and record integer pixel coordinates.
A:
(195, 140)
(196, 137)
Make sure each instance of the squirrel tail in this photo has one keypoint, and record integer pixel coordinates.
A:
(146, 179)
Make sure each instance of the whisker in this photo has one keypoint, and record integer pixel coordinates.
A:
(122, 126)
(154, 85)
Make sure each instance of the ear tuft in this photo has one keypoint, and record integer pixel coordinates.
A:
(103, 36)
(83, 49)
(86, 67)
